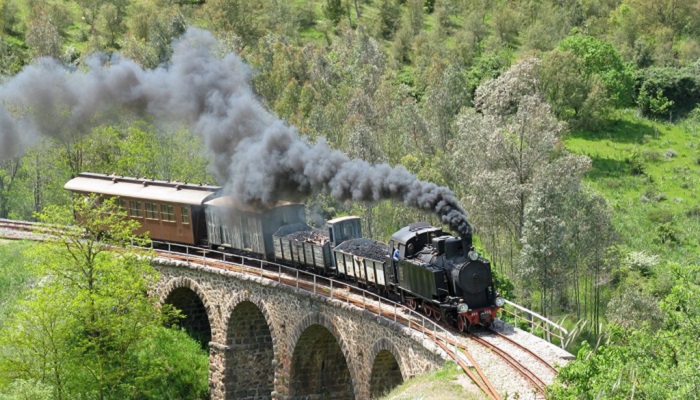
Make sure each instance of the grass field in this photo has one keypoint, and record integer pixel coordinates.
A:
(446, 384)
(649, 172)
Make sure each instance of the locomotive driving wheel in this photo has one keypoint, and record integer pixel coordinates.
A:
(438, 315)
(412, 304)
(428, 313)
(462, 323)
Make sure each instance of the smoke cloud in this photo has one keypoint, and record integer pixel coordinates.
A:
(255, 155)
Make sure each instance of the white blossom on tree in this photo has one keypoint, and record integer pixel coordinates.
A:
(524, 193)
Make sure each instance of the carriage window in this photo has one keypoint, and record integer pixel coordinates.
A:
(120, 203)
(349, 230)
(135, 209)
(167, 212)
(184, 215)
(152, 210)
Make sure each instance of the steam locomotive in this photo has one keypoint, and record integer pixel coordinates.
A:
(421, 266)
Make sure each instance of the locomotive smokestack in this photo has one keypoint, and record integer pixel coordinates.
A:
(466, 243)
(255, 155)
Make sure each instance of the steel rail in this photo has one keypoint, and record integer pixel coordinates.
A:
(525, 349)
(530, 376)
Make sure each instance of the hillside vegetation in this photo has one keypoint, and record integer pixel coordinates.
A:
(570, 130)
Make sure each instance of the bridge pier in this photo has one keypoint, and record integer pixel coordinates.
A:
(217, 370)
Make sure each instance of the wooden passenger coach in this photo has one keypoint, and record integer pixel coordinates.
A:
(169, 211)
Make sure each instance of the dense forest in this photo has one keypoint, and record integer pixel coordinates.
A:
(569, 129)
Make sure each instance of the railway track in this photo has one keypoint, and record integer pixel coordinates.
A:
(542, 361)
(26, 230)
(526, 372)
(452, 345)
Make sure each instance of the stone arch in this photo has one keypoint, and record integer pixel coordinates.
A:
(249, 362)
(320, 365)
(186, 295)
(386, 372)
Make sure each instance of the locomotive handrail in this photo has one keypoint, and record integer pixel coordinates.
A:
(429, 329)
(543, 323)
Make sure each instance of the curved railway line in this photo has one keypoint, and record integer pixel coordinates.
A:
(538, 383)
(444, 336)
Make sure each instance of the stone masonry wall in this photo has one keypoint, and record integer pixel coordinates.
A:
(269, 337)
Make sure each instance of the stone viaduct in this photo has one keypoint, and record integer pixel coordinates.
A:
(271, 341)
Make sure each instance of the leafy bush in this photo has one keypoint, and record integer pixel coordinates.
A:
(333, 10)
(504, 286)
(635, 163)
(661, 91)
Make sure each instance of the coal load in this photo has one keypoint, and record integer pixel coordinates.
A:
(365, 248)
(310, 236)
(303, 245)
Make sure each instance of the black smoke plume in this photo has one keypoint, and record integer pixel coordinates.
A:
(255, 155)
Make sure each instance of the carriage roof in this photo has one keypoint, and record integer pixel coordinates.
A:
(142, 188)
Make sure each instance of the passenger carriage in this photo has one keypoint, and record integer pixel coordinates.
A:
(168, 211)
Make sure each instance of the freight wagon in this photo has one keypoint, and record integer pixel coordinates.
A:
(302, 245)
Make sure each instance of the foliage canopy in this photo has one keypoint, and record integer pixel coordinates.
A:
(88, 328)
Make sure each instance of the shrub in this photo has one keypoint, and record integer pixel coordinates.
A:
(661, 91)
(651, 155)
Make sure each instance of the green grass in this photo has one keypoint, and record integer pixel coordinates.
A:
(649, 173)
(439, 385)
(667, 154)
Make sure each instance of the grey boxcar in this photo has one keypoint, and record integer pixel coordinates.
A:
(246, 228)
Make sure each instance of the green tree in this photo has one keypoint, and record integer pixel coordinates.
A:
(334, 10)
(86, 329)
(389, 18)
(38, 180)
(8, 16)
(667, 90)
(445, 96)
(599, 59)
(416, 14)
(505, 24)
(12, 57)
(639, 361)
(581, 101)
(8, 172)
(238, 16)
(43, 38)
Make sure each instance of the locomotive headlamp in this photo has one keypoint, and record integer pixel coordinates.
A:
(462, 308)
(473, 255)
(500, 301)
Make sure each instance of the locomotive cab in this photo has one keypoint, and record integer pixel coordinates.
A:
(414, 238)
